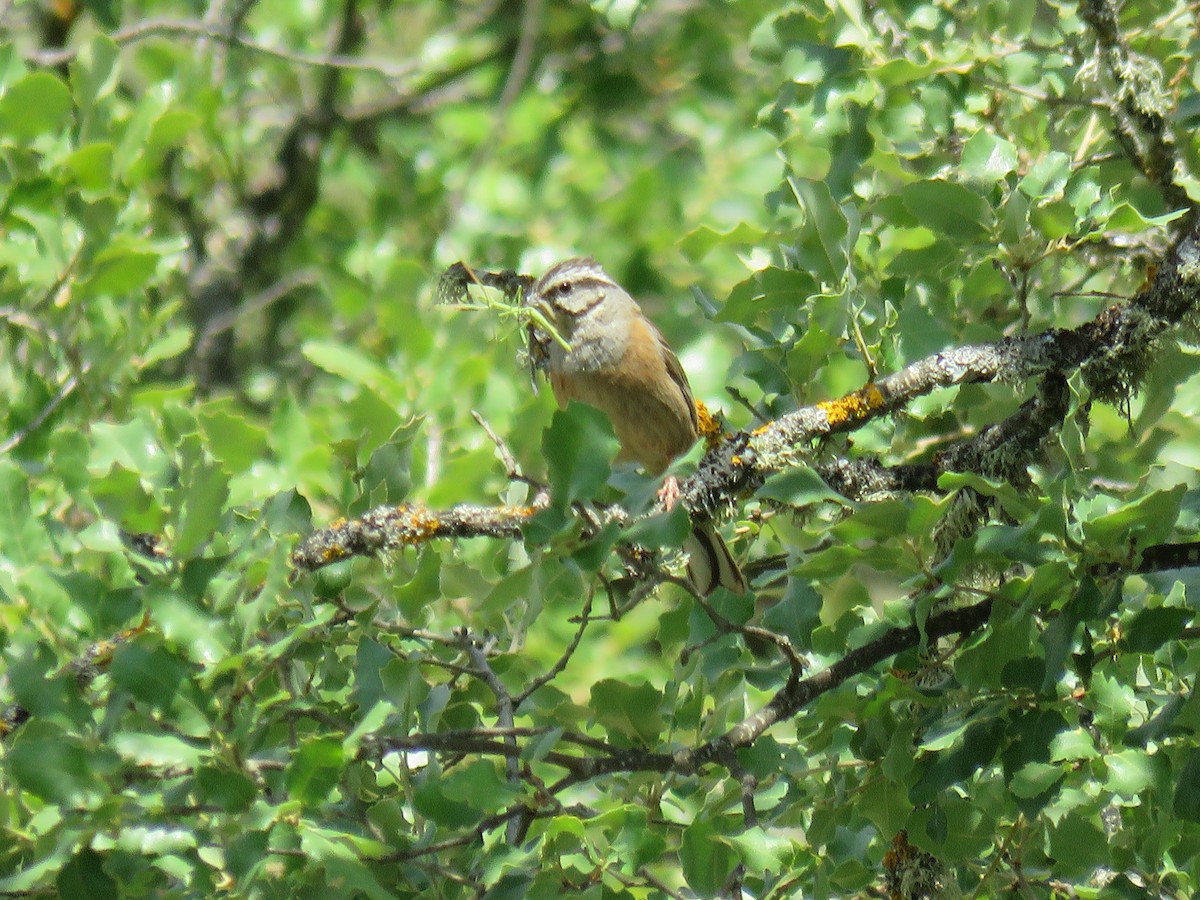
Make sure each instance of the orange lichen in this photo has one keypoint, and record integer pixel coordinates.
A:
(708, 425)
(334, 553)
(1151, 274)
(135, 630)
(422, 524)
(854, 407)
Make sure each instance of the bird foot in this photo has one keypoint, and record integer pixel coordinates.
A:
(669, 493)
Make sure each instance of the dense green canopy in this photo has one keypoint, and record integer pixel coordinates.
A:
(306, 590)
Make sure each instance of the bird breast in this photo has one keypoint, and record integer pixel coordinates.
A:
(649, 412)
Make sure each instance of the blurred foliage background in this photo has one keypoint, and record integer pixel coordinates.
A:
(220, 229)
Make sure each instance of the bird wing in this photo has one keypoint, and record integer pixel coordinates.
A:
(675, 370)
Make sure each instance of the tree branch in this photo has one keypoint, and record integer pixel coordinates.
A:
(1112, 353)
(205, 31)
(1133, 92)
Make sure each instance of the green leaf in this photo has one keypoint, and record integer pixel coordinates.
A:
(107, 12)
(768, 289)
(205, 490)
(227, 788)
(949, 208)
(54, 765)
(510, 886)
(161, 751)
(1126, 217)
(247, 851)
(94, 73)
(980, 743)
(315, 770)
(37, 104)
(354, 367)
(699, 242)
(760, 849)
(628, 710)
(371, 657)
(707, 860)
(1073, 745)
(231, 437)
(897, 72)
(1130, 772)
(479, 783)
(824, 250)
(152, 674)
(664, 530)
(174, 342)
(799, 486)
(1187, 789)
(885, 803)
(1035, 778)
(169, 130)
(387, 476)
(1047, 177)
(1151, 628)
(424, 587)
(84, 876)
(591, 555)
(1150, 518)
(91, 166)
(578, 446)
(23, 538)
(121, 268)
(347, 874)
(431, 801)
(987, 157)
(796, 614)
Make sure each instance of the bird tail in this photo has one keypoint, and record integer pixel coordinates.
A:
(710, 563)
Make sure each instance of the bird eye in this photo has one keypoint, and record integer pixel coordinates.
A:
(563, 288)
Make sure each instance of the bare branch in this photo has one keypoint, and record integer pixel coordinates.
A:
(518, 73)
(190, 28)
(565, 657)
(65, 390)
(504, 717)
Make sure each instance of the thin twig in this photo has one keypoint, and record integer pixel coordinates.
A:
(163, 27)
(229, 319)
(518, 72)
(726, 626)
(561, 663)
(504, 716)
(65, 390)
(511, 467)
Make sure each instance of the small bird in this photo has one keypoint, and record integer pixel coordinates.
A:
(620, 363)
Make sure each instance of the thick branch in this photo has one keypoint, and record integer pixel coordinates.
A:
(1112, 352)
(390, 528)
(794, 696)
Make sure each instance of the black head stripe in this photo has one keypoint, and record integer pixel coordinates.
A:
(574, 285)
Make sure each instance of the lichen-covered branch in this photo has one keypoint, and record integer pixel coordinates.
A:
(389, 528)
(1132, 89)
(1112, 353)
